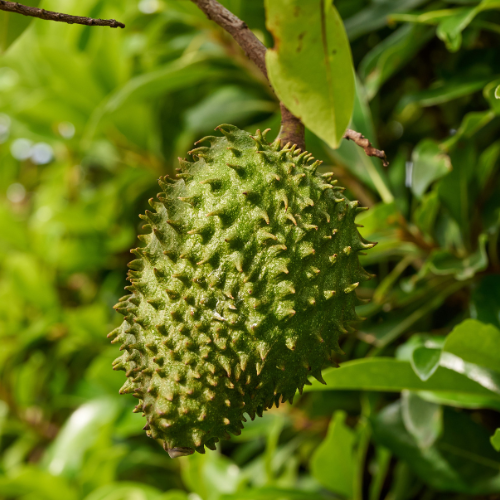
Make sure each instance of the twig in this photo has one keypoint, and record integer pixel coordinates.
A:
(238, 29)
(292, 129)
(56, 16)
(363, 142)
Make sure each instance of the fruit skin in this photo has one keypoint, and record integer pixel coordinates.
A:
(241, 291)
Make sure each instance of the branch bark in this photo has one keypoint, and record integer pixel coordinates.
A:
(364, 143)
(56, 16)
(292, 129)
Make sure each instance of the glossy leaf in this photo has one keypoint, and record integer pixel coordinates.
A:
(311, 66)
(425, 361)
(476, 343)
(422, 419)
(391, 375)
(333, 463)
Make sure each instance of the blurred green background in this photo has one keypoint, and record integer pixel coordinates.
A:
(91, 117)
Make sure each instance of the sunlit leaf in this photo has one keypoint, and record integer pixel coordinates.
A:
(32, 482)
(13, 25)
(311, 66)
(80, 432)
(391, 375)
(476, 343)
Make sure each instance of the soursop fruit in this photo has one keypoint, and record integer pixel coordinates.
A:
(244, 285)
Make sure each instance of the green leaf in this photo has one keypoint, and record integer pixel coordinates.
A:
(450, 29)
(488, 164)
(422, 419)
(471, 124)
(497, 92)
(485, 301)
(443, 263)
(476, 343)
(490, 94)
(210, 475)
(333, 463)
(461, 460)
(392, 375)
(13, 25)
(126, 490)
(430, 163)
(392, 54)
(30, 482)
(425, 361)
(451, 22)
(456, 190)
(272, 493)
(311, 66)
(426, 212)
(376, 16)
(487, 378)
(79, 433)
(148, 86)
(495, 440)
(444, 91)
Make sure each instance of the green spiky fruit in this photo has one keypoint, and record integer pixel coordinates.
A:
(241, 291)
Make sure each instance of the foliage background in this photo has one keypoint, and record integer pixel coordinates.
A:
(91, 117)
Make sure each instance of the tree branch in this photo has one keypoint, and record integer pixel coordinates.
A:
(238, 29)
(363, 142)
(292, 129)
(56, 16)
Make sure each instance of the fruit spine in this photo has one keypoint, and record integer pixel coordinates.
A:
(241, 291)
